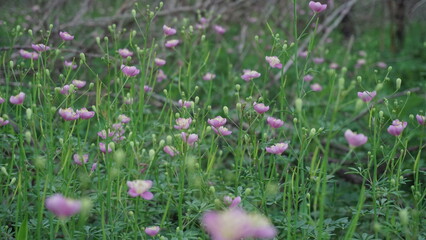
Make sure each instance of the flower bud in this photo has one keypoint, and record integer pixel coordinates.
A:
(212, 189)
(151, 154)
(11, 64)
(226, 110)
(29, 113)
(134, 13)
(27, 136)
(298, 103)
(404, 216)
(398, 83)
(83, 57)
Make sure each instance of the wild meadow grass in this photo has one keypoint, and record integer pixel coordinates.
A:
(165, 134)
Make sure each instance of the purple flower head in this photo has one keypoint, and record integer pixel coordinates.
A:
(3, 122)
(170, 150)
(85, 114)
(278, 148)
(152, 231)
(28, 55)
(366, 96)
(66, 36)
(397, 127)
(68, 114)
(168, 31)
(130, 71)
(308, 78)
(317, 6)
(70, 64)
(2, 100)
(316, 87)
(355, 140)
(103, 147)
(183, 123)
(274, 122)
(260, 107)
(217, 122)
(249, 75)
(190, 140)
(18, 99)
(78, 83)
(421, 119)
(61, 206)
(80, 159)
(223, 131)
(209, 76)
(159, 62)
(274, 62)
(94, 166)
(161, 76)
(124, 52)
(171, 43)
(140, 188)
(219, 29)
(40, 47)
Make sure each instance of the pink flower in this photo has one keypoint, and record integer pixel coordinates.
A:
(40, 47)
(159, 62)
(397, 127)
(124, 52)
(2, 100)
(161, 76)
(80, 159)
(362, 53)
(278, 148)
(28, 55)
(123, 118)
(381, 65)
(223, 131)
(219, 29)
(316, 87)
(209, 76)
(232, 202)
(171, 43)
(94, 166)
(130, 71)
(317, 6)
(236, 224)
(318, 60)
(185, 104)
(140, 188)
(70, 64)
(203, 23)
(78, 83)
(421, 119)
(168, 31)
(65, 90)
(147, 88)
(217, 122)
(152, 231)
(260, 107)
(183, 123)
(303, 54)
(360, 63)
(66, 36)
(249, 75)
(3, 122)
(274, 122)
(366, 96)
(190, 140)
(308, 78)
(103, 147)
(85, 114)
(334, 66)
(355, 140)
(61, 206)
(18, 99)
(170, 150)
(274, 62)
(68, 114)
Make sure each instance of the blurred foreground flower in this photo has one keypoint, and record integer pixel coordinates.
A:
(61, 206)
(236, 224)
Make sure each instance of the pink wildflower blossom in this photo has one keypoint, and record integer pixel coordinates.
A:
(62, 207)
(170, 150)
(40, 47)
(152, 231)
(318, 60)
(183, 123)
(123, 118)
(130, 71)
(381, 65)
(249, 75)
(185, 104)
(355, 140)
(3, 122)
(70, 64)
(222, 131)
(80, 159)
(308, 78)
(366, 96)
(140, 188)
(232, 202)
(217, 122)
(18, 99)
(190, 140)
(421, 119)
(274, 62)
(317, 6)
(104, 148)
(147, 88)
(303, 54)
(66, 36)
(168, 31)
(2, 100)
(28, 55)
(397, 127)
(159, 62)
(219, 29)
(78, 83)
(85, 114)
(278, 148)
(124, 52)
(161, 76)
(209, 76)
(260, 107)
(171, 43)
(274, 122)
(68, 114)
(65, 90)
(316, 87)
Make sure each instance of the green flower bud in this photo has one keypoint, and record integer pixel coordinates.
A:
(298, 103)
(398, 83)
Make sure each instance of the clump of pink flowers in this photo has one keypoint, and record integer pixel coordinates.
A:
(366, 96)
(397, 127)
(140, 188)
(80, 159)
(249, 75)
(61, 206)
(183, 123)
(236, 224)
(277, 149)
(274, 62)
(354, 139)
